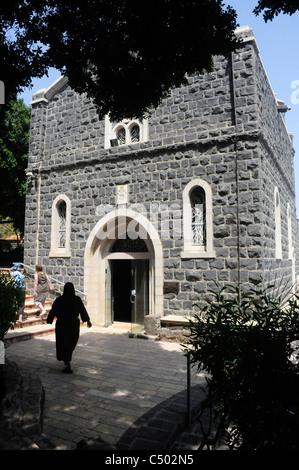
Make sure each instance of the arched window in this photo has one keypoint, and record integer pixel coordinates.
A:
(61, 227)
(198, 220)
(121, 136)
(125, 132)
(278, 247)
(134, 133)
(198, 214)
(291, 254)
(61, 209)
(290, 238)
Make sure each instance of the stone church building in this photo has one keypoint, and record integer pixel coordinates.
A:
(144, 216)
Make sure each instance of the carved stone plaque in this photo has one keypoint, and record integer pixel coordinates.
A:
(122, 194)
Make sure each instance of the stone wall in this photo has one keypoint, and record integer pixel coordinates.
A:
(276, 170)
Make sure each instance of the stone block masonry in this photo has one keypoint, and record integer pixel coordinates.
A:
(223, 129)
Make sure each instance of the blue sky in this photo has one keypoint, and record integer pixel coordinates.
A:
(278, 43)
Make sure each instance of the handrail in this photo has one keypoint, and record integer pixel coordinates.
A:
(53, 279)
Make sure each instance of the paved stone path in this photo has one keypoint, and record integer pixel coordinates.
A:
(116, 380)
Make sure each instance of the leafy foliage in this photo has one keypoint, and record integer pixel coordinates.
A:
(244, 341)
(6, 228)
(10, 300)
(21, 57)
(272, 8)
(14, 143)
(127, 54)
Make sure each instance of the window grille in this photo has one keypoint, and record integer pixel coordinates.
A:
(128, 245)
(135, 134)
(62, 224)
(278, 245)
(121, 136)
(198, 222)
(125, 132)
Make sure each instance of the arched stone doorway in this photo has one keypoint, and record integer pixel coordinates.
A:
(123, 247)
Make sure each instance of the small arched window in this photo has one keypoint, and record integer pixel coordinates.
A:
(61, 209)
(125, 132)
(198, 213)
(135, 133)
(198, 220)
(61, 227)
(278, 247)
(290, 238)
(121, 136)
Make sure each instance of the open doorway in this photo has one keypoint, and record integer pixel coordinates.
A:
(130, 290)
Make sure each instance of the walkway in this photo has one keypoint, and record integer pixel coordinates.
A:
(116, 380)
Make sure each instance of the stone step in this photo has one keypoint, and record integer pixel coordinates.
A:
(31, 316)
(173, 328)
(32, 324)
(28, 332)
(174, 320)
(30, 321)
(33, 311)
(29, 303)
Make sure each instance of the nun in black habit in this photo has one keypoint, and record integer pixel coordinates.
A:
(67, 309)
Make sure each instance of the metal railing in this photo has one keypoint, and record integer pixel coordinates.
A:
(53, 279)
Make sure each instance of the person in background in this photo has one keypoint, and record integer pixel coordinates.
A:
(67, 309)
(41, 289)
(19, 282)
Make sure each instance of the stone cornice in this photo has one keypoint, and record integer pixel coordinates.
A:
(46, 94)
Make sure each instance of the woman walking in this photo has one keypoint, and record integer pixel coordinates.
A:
(67, 309)
(41, 289)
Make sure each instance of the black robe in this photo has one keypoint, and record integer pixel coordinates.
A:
(67, 328)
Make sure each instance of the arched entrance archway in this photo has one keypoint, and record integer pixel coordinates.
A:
(110, 234)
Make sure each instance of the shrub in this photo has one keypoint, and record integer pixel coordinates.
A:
(10, 300)
(244, 341)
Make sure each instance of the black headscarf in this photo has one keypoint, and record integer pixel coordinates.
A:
(68, 299)
(69, 291)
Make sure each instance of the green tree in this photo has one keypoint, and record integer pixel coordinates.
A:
(10, 301)
(272, 8)
(126, 54)
(21, 58)
(244, 341)
(14, 142)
